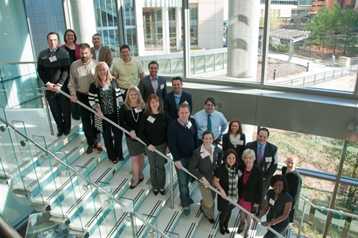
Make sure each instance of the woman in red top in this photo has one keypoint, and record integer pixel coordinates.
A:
(250, 189)
(73, 50)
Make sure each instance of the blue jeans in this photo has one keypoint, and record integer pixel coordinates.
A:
(183, 183)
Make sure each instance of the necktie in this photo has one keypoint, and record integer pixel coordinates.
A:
(260, 152)
(209, 123)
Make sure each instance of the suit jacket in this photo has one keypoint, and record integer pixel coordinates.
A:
(269, 164)
(171, 107)
(203, 167)
(146, 88)
(105, 55)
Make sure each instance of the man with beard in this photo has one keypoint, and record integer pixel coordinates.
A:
(81, 77)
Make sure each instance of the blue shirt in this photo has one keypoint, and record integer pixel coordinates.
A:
(177, 99)
(218, 123)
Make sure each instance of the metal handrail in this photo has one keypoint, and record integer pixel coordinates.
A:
(6, 230)
(347, 214)
(76, 173)
(231, 201)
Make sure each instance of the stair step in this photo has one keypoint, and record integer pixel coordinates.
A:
(48, 169)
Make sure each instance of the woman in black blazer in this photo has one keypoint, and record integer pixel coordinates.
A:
(205, 160)
(223, 175)
(250, 189)
(235, 139)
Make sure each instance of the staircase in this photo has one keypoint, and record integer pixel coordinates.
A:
(90, 196)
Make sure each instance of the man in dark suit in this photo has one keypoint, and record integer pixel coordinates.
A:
(53, 68)
(176, 97)
(266, 156)
(99, 52)
(153, 83)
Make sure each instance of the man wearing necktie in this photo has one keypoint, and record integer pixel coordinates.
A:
(211, 120)
(266, 156)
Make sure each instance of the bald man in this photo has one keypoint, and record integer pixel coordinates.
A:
(294, 182)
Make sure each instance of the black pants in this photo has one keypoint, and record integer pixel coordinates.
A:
(88, 123)
(112, 137)
(225, 215)
(60, 109)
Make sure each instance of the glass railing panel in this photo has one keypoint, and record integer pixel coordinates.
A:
(19, 86)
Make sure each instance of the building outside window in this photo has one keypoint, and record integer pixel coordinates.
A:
(153, 28)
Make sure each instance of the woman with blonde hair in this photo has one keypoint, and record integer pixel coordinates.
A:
(130, 117)
(107, 98)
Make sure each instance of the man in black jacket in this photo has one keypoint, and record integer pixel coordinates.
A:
(266, 156)
(53, 69)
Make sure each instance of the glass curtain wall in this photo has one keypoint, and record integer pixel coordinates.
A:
(107, 23)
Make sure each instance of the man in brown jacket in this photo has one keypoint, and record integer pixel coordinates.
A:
(99, 52)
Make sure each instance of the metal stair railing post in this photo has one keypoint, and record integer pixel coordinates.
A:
(231, 201)
(74, 171)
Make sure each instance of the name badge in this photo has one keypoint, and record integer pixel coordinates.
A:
(268, 159)
(52, 58)
(137, 110)
(151, 119)
(162, 86)
(241, 142)
(272, 202)
(188, 125)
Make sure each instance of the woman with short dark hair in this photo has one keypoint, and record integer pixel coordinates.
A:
(206, 158)
(278, 204)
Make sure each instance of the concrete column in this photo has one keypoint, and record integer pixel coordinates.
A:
(140, 29)
(80, 16)
(166, 36)
(243, 35)
(178, 27)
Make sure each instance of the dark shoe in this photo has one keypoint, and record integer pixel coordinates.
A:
(133, 184)
(60, 133)
(140, 180)
(162, 191)
(186, 211)
(211, 220)
(227, 230)
(66, 132)
(155, 191)
(89, 150)
(241, 228)
(98, 147)
(222, 230)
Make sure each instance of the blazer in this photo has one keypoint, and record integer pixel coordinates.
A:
(203, 167)
(105, 55)
(146, 88)
(269, 165)
(252, 192)
(239, 148)
(170, 106)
